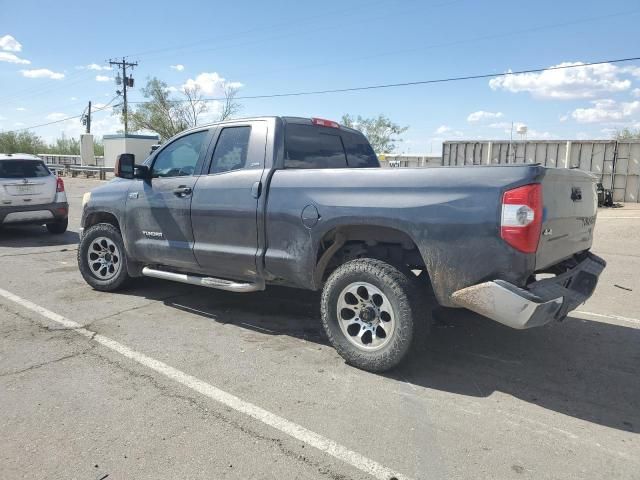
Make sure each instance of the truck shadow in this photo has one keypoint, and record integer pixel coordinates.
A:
(585, 369)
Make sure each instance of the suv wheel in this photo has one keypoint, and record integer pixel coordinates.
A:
(373, 313)
(101, 258)
(59, 227)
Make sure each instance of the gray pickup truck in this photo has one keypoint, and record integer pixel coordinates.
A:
(243, 204)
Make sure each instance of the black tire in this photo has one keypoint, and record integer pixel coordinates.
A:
(412, 314)
(59, 227)
(121, 277)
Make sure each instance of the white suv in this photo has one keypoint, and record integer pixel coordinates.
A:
(30, 193)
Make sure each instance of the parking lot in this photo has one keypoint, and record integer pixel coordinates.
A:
(166, 380)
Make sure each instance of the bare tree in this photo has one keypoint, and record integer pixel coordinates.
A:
(163, 114)
(230, 106)
(194, 105)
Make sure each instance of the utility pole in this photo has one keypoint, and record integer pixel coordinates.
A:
(89, 118)
(126, 82)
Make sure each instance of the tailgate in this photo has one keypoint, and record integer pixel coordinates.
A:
(570, 208)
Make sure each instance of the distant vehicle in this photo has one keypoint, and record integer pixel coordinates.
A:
(242, 204)
(31, 194)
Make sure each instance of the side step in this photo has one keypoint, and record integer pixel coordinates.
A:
(201, 281)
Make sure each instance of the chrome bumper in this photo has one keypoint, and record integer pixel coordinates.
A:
(540, 302)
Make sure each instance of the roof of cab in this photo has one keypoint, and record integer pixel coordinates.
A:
(18, 156)
(296, 120)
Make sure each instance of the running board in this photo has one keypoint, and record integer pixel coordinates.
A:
(201, 281)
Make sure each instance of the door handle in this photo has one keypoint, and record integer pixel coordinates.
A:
(182, 191)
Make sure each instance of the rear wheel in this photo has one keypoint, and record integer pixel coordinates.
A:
(101, 258)
(373, 313)
(59, 227)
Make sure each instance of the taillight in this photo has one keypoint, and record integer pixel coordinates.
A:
(59, 185)
(325, 123)
(522, 217)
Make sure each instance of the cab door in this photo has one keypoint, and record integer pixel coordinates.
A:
(158, 209)
(225, 201)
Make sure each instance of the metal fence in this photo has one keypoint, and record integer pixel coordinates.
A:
(54, 159)
(616, 163)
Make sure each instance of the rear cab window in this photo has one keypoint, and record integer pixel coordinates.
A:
(23, 169)
(310, 146)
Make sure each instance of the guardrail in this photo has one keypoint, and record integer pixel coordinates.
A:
(74, 170)
(101, 171)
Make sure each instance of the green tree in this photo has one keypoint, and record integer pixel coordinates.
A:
(627, 134)
(21, 142)
(382, 133)
(160, 113)
(64, 145)
(98, 147)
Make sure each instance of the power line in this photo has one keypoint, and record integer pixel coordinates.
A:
(53, 122)
(413, 83)
(371, 87)
(273, 26)
(460, 41)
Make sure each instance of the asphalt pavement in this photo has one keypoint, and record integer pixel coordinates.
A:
(169, 381)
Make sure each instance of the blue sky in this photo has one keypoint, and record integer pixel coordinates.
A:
(282, 46)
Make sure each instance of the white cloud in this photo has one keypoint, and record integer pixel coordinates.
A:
(606, 110)
(95, 66)
(10, 44)
(173, 89)
(102, 78)
(533, 134)
(56, 116)
(11, 58)
(18, 124)
(73, 98)
(42, 73)
(210, 83)
(450, 133)
(636, 92)
(500, 125)
(481, 116)
(177, 67)
(565, 84)
(21, 109)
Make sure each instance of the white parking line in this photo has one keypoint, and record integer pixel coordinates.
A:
(604, 218)
(612, 317)
(287, 427)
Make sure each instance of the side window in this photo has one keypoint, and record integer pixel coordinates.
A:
(231, 149)
(359, 152)
(313, 147)
(180, 157)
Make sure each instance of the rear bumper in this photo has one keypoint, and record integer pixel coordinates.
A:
(36, 214)
(540, 302)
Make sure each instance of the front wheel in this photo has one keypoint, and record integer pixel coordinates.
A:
(373, 313)
(101, 258)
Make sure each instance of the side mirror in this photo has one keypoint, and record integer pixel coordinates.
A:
(125, 166)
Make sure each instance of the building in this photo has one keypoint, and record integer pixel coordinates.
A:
(139, 145)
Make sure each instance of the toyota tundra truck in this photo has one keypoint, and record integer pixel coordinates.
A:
(244, 204)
